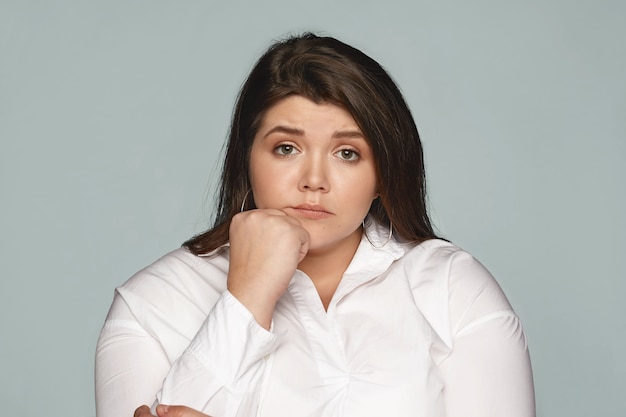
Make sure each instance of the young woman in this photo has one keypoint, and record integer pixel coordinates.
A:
(321, 289)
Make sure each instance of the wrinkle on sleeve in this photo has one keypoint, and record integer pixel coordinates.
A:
(130, 364)
(220, 373)
(488, 371)
(175, 335)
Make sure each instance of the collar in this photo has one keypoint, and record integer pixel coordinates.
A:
(376, 242)
(375, 254)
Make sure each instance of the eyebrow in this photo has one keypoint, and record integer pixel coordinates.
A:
(342, 134)
(348, 134)
(285, 129)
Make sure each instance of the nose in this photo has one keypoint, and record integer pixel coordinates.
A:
(314, 176)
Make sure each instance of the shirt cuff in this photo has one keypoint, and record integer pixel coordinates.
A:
(231, 344)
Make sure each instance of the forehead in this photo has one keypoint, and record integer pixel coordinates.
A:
(300, 112)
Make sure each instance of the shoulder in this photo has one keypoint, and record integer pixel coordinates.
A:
(439, 260)
(443, 262)
(179, 268)
(178, 284)
(169, 299)
(450, 286)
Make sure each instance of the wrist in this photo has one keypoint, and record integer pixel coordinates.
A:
(259, 305)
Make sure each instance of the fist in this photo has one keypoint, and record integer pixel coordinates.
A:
(266, 247)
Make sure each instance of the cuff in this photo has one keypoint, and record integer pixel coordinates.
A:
(231, 344)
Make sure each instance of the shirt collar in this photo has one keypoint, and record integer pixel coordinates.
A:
(376, 251)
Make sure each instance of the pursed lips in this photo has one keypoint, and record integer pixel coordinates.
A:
(312, 211)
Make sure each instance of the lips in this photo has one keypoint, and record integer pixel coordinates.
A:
(312, 211)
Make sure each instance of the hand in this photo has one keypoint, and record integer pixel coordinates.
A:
(266, 247)
(168, 411)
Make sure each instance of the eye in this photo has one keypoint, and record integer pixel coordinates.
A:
(285, 150)
(349, 155)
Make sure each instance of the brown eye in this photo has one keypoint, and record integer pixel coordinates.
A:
(349, 155)
(285, 150)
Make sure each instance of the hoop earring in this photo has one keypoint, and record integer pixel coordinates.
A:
(245, 197)
(386, 241)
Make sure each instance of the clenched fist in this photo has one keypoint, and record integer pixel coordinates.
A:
(266, 246)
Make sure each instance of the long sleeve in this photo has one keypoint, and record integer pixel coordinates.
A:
(487, 372)
(130, 364)
(218, 373)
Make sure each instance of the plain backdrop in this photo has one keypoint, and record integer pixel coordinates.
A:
(112, 119)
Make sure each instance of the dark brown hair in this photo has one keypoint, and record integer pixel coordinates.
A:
(326, 70)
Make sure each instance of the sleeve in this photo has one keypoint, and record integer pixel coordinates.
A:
(219, 373)
(130, 364)
(488, 371)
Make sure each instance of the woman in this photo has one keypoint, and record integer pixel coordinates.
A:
(322, 288)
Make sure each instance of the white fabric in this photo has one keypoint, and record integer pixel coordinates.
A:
(420, 331)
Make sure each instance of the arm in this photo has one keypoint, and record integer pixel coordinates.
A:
(220, 372)
(133, 369)
(211, 363)
(130, 364)
(488, 372)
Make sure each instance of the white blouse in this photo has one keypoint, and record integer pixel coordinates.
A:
(412, 330)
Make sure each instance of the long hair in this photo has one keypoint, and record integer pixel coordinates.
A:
(326, 70)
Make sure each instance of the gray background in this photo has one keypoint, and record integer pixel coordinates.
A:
(112, 116)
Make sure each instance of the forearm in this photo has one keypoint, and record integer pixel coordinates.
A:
(221, 370)
(130, 367)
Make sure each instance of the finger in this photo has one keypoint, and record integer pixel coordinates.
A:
(178, 411)
(162, 410)
(303, 234)
(304, 249)
(142, 411)
(268, 211)
(304, 244)
(275, 212)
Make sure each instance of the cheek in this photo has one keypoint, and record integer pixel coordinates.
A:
(268, 186)
(360, 191)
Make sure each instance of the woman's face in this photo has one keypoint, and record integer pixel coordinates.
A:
(312, 162)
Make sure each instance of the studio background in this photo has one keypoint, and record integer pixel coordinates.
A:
(112, 119)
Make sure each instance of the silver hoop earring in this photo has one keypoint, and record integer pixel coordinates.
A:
(386, 241)
(243, 203)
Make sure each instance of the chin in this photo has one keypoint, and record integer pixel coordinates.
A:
(321, 241)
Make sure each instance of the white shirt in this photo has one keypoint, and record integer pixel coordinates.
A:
(412, 330)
